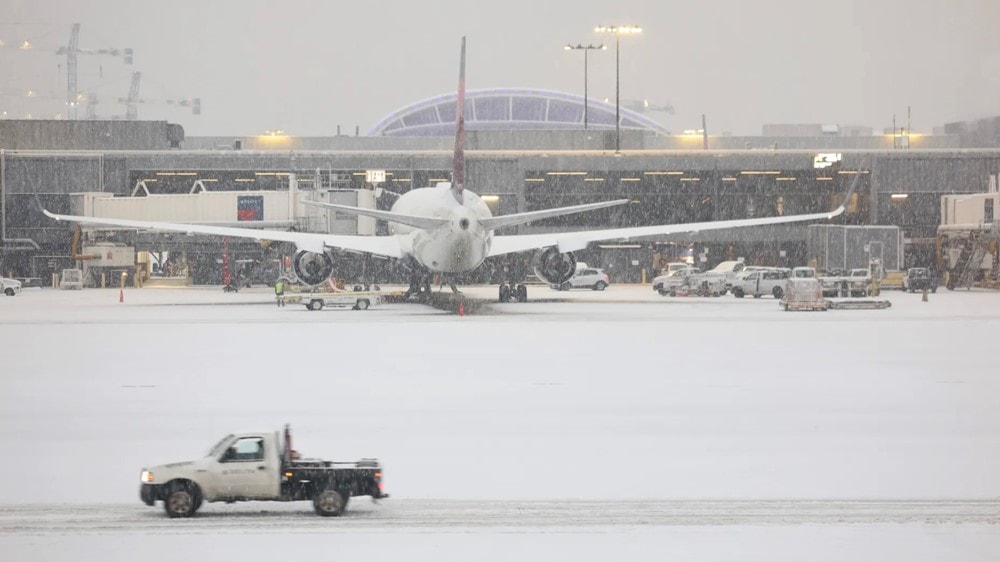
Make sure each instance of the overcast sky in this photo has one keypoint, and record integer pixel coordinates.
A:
(305, 67)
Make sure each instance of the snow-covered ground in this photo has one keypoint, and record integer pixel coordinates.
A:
(583, 425)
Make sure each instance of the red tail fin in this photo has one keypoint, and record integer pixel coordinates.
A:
(458, 163)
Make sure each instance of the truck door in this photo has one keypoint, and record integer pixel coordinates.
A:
(248, 470)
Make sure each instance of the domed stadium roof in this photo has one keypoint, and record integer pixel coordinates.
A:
(508, 109)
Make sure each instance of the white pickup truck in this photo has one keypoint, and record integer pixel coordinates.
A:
(259, 467)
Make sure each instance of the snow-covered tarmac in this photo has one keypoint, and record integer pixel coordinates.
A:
(617, 424)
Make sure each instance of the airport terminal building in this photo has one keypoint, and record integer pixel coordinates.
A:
(526, 150)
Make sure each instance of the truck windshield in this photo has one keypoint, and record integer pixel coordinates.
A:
(216, 449)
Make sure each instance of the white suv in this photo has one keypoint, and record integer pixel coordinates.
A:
(9, 287)
(586, 278)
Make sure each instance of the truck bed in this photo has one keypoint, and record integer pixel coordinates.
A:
(302, 479)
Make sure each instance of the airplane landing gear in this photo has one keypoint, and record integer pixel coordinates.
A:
(420, 285)
(518, 293)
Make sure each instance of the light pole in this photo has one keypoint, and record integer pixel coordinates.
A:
(618, 30)
(586, 50)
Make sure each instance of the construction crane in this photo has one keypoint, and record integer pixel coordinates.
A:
(133, 99)
(72, 50)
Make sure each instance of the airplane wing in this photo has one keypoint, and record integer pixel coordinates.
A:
(576, 241)
(312, 242)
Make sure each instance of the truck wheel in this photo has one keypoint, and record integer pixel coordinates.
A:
(663, 293)
(738, 292)
(778, 292)
(315, 304)
(182, 501)
(362, 304)
(329, 503)
(9, 292)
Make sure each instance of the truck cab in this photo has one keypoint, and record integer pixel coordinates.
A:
(258, 467)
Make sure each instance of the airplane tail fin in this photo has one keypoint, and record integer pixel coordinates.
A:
(458, 162)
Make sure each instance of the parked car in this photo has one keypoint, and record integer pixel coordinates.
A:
(586, 278)
(674, 266)
(10, 287)
(918, 279)
(670, 283)
(762, 282)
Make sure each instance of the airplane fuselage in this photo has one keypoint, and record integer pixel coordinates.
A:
(459, 246)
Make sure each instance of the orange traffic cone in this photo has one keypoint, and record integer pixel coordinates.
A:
(925, 295)
(121, 295)
(461, 308)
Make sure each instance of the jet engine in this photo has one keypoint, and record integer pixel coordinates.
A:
(312, 268)
(553, 267)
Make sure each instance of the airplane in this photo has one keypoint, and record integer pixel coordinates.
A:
(448, 230)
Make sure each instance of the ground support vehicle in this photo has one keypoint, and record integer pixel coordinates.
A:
(858, 303)
(10, 287)
(761, 282)
(856, 283)
(71, 279)
(804, 293)
(673, 281)
(259, 467)
(316, 301)
(919, 279)
(726, 274)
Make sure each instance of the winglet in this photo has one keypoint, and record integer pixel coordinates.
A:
(458, 162)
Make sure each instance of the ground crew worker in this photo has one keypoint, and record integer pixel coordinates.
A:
(279, 292)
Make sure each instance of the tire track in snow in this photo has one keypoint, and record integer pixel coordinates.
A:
(448, 515)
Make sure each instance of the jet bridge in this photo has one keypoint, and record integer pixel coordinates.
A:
(280, 210)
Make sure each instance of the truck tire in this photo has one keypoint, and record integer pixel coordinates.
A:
(315, 304)
(329, 503)
(182, 500)
(362, 304)
(738, 292)
(9, 292)
(778, 292)
(663, 292)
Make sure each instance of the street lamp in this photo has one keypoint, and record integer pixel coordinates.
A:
(618, 30)
(586, 50)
